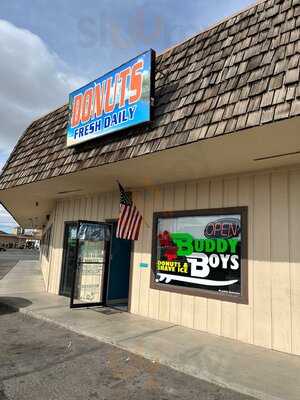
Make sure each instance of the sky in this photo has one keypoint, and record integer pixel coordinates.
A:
(50, 48)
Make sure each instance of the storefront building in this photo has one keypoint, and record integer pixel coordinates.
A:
(213, 165)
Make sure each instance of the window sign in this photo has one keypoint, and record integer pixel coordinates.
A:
(118, 100)
(202, 253)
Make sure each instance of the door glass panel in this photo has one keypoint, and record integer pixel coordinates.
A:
(89, 274)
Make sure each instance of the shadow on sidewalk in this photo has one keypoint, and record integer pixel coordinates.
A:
(10, 305)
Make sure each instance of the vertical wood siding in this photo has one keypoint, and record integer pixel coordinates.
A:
(44, 261)
(272, 317)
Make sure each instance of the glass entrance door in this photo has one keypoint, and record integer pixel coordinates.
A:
(91, 257)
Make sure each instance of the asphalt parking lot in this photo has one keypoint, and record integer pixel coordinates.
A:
(39, 360)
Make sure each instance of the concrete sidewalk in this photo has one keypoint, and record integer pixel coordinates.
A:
(24, 277)
(251, 370)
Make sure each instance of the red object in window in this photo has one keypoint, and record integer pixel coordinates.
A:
(170, 250)
(171, 253)
(165, 239)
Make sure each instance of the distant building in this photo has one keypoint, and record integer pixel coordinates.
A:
(19, 240)
(18, 231)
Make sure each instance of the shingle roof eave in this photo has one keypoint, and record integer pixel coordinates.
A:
(240, 73)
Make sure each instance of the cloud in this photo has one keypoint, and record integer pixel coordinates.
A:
(33, 81)
(6, 220)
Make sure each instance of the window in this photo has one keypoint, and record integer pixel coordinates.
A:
(202, 253)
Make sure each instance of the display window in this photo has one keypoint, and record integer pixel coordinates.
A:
(202, 253)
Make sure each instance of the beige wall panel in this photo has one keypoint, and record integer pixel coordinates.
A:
(229, 310)
(272, 317)
(55, 277)
(245, 311)
(76, 203)
(48, 262)
(214, 306)
(82, 208)
(67, 215)
(101, 208)
(139, 200)
(63, 216)
(57, 246)
(262, 269)
(164, 297)
(44, 266)
(200, 303)
(54, 250)
(146, 253)
(154, 294)
(188, 302)
(44, 262)
(94, 208)
(108, 205)
(176, 298)
(88, 208)
(70, 216)
(294, 203)
(88, 211)
(115, 205)
(280, 259)
(60, 249)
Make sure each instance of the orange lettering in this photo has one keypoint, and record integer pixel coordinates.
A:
(109, 107)
(76, 111)
(123, 77)
(136, 82)
(99, 99)
(87, 105)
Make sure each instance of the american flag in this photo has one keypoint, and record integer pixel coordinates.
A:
(130, 219)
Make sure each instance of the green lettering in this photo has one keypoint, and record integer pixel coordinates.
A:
(184, 242)
(199, 245)
(222, 245)
(210, 245)
(233, 245)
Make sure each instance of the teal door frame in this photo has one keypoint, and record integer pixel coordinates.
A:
(119, 269)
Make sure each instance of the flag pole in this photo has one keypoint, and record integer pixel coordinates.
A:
(145, 222)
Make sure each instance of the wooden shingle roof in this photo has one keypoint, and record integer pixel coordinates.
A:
(241, 73)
